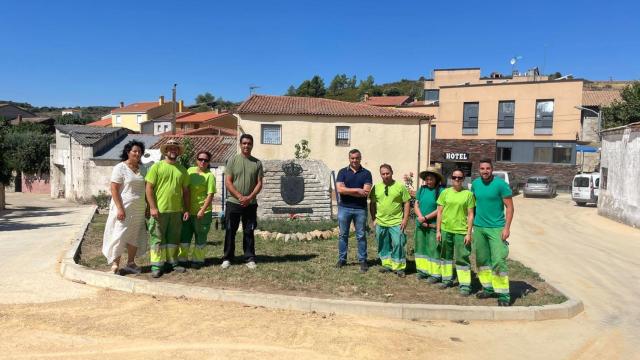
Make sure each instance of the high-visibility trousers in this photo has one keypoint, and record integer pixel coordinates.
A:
(427, 252)
(453, 247)
(391, 242)
(198, 228)
(491, 259)
(164, 239)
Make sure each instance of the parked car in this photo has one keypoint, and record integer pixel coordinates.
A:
(539, 186)
(508, 177)
(585, 188)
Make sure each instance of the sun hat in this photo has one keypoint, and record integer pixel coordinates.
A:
(433, 171)
(172, 142)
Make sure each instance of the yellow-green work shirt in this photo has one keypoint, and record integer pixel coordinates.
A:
(168, 181)
(200, 185)
(455, 206)
(389, 203)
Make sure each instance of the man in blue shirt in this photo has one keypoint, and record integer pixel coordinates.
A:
(353, 184)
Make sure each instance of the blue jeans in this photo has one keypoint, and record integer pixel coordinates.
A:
(359, 217)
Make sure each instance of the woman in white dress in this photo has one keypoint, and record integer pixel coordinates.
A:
(125, 226)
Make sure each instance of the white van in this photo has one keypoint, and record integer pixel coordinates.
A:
(508, 177)
(585, 188)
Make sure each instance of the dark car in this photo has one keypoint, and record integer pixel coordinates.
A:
(539, 186)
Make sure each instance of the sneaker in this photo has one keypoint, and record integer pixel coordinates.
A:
(401, 273)
(504, 303)
(179, 269)
(225, 264)
(384, 270)
(131, 269)
(432, 280)
(252, 265)
(444, 285)
(156, 273)
(483, 295)
(364, 267)
(340, 264)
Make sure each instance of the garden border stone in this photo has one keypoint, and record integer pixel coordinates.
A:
(71, 270)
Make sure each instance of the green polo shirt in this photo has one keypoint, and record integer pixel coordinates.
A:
(455, 205)
(244, 172)
(428, 202)
(168, 181)
(200, 186)
(489, 202)
(389, 205)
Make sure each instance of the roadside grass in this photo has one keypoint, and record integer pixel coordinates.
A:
(307, 269)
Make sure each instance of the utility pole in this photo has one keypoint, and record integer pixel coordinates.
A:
(173, 113)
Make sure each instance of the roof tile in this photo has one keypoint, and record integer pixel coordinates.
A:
(600, 97)
(386, 100)
(221, 147)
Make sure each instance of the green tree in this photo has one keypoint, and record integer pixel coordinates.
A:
(312, 88)
(69, 120)
(392, 91)
(205, 98)
(26, 149)
(291, 91)
(187, 157)
(626, 111)
(302, 149)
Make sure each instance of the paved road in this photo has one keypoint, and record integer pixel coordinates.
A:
(33, 232)
(592, 257)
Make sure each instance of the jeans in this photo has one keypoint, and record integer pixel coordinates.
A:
(359, 217)
(233, 214)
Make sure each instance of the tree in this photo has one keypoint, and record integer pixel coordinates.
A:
(626, 111)
(68, 120)
(312, 88)
(302, 149)
(392, 91)
(291, 91)
(187, 156)
(205, 98)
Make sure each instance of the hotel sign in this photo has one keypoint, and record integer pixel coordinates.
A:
(456, 156)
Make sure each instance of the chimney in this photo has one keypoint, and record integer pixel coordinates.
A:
(216, 110)
(366, 97)
(121, 104)
(181, 106)
(161, 100)
(19, 119)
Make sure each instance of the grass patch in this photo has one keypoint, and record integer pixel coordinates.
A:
(307, 269)
(296, 226)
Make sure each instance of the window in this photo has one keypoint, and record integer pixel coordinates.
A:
(342, 135)
(432, 95)
(166, 128)
(544, 117)
(506, 112)
(271, 134)
(470, 118)
(562, 155)
(581, 182)
(138, 119)
(159, 127)
(433, 132)
(118, 119)
(542, 154)
(556, 155)
(605, 175)
(503, 154)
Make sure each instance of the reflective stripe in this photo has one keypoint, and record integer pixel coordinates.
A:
(484, 268)
(421, 256)
(463, 267)
(160, 263)
(464, 276)
(501, 291)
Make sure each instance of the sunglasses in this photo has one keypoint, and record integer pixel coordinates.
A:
(457, 177)
(203, 160)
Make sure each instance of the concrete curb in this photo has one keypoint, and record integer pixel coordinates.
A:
(72, 271)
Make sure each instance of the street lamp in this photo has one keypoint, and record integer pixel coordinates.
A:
(598, 114)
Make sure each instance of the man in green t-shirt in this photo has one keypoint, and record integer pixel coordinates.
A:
(427, 249)
(202, 187)
(453, 230)
(490, 233)
(167, 191)
(243, 180)
(389, 210)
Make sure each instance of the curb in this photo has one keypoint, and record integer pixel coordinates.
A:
(72, 271)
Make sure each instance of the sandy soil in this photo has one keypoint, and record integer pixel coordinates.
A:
(592, 257)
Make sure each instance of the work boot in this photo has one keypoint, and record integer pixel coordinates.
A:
(156, 273)
(340, 264)
(400, 273)
(179, 269)
(433, 280)
(445, 284)
(196, 265)
(384, 270)
(465, 292)
(364, 267)
(504, 303)
(483, 295)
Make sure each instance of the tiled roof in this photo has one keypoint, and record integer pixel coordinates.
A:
(33, 120)
(386, 100)
(136, 107)
(292, 105)
(101, 123)
(169, 116)
(201, 117)
(600, 97)
(221, 147)
(88, 135)
(113, 153)
(210, 130)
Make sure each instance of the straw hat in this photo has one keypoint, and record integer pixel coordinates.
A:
(172, 142)
(433, 171)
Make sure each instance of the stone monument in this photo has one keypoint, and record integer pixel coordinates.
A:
(300, 188)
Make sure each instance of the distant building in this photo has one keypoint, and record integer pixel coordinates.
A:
(10, 112)
(386, 101)
(619, 197)
(133, 115)
(76, 113)
(104, 122)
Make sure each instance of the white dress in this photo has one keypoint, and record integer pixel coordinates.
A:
(117, 234)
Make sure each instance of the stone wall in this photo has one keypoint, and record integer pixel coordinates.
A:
(315, 205)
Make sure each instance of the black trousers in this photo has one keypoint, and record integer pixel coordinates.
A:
(233, 214)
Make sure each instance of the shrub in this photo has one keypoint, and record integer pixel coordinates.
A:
(102, 200)
(296, 226)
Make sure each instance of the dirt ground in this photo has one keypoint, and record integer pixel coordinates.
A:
(569, 245)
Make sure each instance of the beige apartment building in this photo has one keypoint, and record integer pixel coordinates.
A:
(528, 124)
(383, 135)
(132, 116)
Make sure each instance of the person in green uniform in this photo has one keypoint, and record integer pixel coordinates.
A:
(390, 210)
(202, 187)
(427, 249)
(453, 231)
(490, 233)
(167, 191)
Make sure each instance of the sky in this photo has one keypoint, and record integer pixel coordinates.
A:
(82, 53)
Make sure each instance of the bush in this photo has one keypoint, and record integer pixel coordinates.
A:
(102, 200)
(296, 226)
